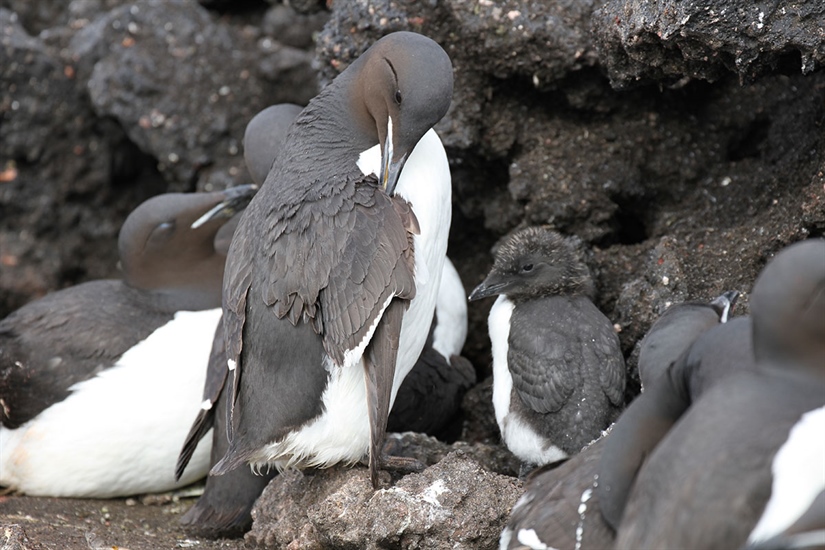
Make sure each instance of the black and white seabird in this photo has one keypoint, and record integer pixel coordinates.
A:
(746, 460)
(97, 380)
(224, 508)
(332, 276)
(670, 389)
(428, 400)
(558, 370)
(430, 397)
(560, 507)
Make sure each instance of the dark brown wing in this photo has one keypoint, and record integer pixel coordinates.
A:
(341, 273)
(329, 257)
(87, 327)
(216, 375)
(236, 283)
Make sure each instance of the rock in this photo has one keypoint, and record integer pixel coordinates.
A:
(221, 76)
(291, 28)
(67, 178)
(673, 41)
(455, 503)
(480, 424)
(304, 6)
(12, 537)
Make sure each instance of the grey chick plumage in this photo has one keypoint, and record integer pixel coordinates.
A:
(559, 373)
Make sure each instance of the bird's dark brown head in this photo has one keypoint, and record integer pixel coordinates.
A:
(404, 87)
(787, 306)
(536, 262)
(168, 244)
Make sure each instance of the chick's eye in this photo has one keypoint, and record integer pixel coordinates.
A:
(526, 268)
(398, 96)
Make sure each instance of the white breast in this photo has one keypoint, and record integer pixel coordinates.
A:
(120, 432)
(798, 476)
(519, 437)
(451, 310)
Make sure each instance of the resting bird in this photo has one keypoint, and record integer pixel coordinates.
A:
(745, 460)
(96, 380)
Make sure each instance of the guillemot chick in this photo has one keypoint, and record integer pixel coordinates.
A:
(558, 369)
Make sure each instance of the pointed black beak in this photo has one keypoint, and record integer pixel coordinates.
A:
(489, 287)
(236, 199)
(724, 304)
(390, 167)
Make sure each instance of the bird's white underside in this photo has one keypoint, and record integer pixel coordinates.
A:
(120, 432)
(519, 437)
(798, 471)
(451, 309)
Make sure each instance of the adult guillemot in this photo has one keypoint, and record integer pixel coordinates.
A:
(94, 378)
(428, 400)
(689, 349)
(745, 461)
(332, 276)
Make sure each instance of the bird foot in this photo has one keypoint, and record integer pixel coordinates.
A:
(402, 464)
(525, 469)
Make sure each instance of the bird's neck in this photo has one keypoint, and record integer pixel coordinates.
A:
(334, 127)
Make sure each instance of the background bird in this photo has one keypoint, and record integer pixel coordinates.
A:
(745, 461)
(558, 370)
(96, 379)
(674, 375)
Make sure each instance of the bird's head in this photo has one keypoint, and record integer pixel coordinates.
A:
(536, 262)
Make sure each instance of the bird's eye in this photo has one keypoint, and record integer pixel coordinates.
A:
(161, 233)
(526, 268)
(398, 96)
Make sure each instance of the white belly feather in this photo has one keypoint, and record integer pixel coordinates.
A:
(120, 432)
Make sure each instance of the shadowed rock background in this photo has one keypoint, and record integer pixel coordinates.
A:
(683, 141)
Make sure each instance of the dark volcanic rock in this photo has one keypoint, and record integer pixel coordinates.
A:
(455, 503)
(221, 79)
(291, 28)
(67, 178)
(669, 40)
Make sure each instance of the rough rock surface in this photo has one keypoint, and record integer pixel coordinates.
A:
(194, 128)
(106, 109)
(682, 141)
(455, 503)
(671, 41)
(12, 537)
